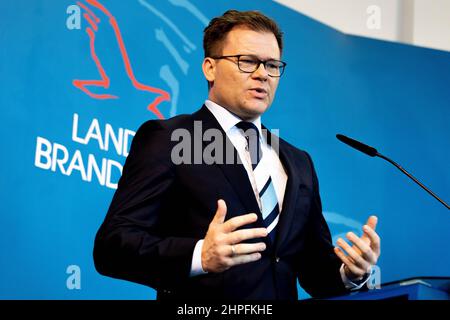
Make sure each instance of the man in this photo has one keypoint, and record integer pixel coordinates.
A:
(242, 230)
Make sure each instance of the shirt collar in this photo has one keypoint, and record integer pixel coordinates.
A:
(226, 119)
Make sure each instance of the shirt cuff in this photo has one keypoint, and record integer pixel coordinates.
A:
(196, 265)
(354, 285)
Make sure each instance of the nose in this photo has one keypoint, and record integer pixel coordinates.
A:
(260, 73)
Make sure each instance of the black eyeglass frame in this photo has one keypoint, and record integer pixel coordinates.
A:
(263, 62)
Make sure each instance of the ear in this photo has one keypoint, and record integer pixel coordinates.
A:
(209, 69)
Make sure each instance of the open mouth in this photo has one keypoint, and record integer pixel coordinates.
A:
(259, 93)
(259, 90)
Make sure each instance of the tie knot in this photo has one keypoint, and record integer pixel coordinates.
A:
(248, 127)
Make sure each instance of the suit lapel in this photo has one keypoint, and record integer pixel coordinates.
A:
(235, 173)
(237, 177)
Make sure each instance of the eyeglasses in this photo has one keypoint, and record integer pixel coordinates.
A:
(249, 64)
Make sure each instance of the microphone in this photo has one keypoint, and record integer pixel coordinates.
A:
(370, 151)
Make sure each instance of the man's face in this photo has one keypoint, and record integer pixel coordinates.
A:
(247, 95)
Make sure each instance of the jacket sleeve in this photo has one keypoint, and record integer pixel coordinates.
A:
(319, 273)
(130, 244)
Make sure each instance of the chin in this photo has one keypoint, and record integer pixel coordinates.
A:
(256, 109)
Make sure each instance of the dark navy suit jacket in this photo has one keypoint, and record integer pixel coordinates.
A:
(160, 210)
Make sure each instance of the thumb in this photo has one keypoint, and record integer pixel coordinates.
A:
(221, 212)
(372, 223)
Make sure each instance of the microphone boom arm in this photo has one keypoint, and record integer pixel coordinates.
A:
(372, 152)
(412, 177)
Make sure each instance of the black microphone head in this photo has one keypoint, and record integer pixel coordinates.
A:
(358, 145)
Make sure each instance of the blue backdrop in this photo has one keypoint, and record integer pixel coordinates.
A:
(78, 78)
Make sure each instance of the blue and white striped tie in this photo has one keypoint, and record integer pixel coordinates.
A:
(269, 203)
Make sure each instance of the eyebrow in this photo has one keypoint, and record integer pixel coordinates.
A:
(259, 58)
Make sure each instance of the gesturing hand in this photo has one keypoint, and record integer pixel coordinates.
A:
(363, 254)
(222, 247)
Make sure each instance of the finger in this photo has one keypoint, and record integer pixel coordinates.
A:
(359, 261)
(344, 258)
(245, 258)
(363, 248)
(239, 221)
(374, 239)
(245, 234)
(248, 248)
(371, 222)
(221, 212)
(349, 263)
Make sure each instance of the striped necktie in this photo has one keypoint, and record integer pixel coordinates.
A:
(269, 203)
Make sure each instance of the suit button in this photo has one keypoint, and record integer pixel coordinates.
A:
(277, 259)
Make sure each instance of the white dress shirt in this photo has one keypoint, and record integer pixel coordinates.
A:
(270, 162)
(228, 121)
